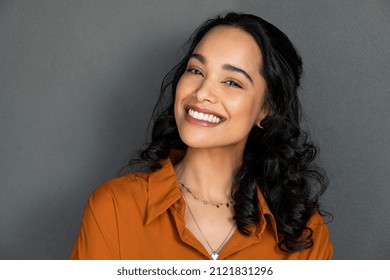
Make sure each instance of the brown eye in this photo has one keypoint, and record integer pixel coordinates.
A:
(194, 71)
(232, 84)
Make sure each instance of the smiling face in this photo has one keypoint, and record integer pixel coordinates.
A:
(219, 98)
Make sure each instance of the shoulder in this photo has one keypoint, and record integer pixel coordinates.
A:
(318, 225)
(126, 189)
(322, 247)
(113, 205)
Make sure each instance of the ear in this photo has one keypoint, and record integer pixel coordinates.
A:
(262, 115)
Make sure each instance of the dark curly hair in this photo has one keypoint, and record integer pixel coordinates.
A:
(278, 156)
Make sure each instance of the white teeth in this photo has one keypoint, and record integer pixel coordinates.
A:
(203, 116)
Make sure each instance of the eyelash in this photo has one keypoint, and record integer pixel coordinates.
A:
(194, 71)
(230, 83)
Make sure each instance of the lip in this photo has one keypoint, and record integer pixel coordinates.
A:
(201, 122)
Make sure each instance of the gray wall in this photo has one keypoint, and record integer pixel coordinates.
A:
(78, 81)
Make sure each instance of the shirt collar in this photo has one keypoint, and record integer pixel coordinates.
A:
(266, 212)
(163, 188)
(164, 191)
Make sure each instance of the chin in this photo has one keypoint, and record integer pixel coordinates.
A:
(192, 142)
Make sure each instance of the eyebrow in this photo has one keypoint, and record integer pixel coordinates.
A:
(227, 67)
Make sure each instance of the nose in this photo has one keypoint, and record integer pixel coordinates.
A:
(205, 92)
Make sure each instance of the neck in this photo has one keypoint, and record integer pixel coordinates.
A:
(209, 172)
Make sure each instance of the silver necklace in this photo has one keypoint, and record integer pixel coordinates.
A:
(215, 253)
(205, 202)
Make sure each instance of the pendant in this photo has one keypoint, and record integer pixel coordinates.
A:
(214, 256)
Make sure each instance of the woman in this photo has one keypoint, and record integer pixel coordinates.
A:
(230, 173)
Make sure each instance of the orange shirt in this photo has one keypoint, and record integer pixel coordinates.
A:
(141, 217)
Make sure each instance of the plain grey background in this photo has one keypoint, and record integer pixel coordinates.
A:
(79, 79)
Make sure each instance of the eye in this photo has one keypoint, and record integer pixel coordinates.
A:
(194, 71)
(231, 83)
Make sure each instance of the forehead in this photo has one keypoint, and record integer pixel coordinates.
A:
(228, 44)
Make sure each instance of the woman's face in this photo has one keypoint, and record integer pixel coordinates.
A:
(220, 96)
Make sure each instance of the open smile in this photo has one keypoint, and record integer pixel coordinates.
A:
(204, 117)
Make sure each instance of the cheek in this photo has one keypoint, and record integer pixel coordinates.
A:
(180, 89)
(247, 109)
(180, 96)
(176, 109)
(184, 90)
(256, 106)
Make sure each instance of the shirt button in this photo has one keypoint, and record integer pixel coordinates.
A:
(177, 206)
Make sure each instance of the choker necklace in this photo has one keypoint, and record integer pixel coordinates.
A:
(205, 202)
(215, 253)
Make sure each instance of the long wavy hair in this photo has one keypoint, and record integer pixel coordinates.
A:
(278, 157)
